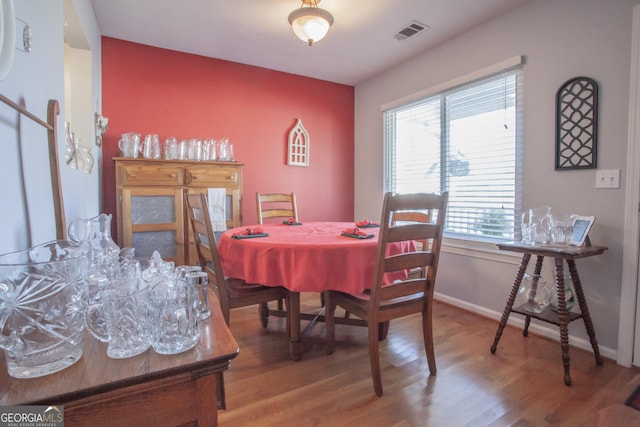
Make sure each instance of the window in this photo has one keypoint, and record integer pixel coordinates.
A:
(464, 140)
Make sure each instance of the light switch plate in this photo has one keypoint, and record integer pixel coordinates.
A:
(608, 178)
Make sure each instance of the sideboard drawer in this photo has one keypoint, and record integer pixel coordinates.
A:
(150, 174)
(209, 176)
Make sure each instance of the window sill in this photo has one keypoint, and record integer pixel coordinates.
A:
(482, 250)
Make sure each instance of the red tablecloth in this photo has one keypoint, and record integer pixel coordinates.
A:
(311, 257)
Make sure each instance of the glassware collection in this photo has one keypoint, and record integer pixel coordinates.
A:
(540, 227)
(174, 148)
(51, 293)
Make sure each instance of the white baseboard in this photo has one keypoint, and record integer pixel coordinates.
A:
(517, 321)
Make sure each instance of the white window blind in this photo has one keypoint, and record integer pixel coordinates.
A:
(466, 141)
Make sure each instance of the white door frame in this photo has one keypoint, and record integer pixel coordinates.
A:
(629, 322)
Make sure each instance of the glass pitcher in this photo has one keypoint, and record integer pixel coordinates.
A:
(129, 144)
(540, 218)
(96, 231)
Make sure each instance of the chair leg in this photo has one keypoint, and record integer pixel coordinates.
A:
(374, 357)
(383, 330)
(263, 312)
(329, 319)
(427, 333)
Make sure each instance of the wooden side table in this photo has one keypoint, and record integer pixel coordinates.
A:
(562, 318)
(148, 389)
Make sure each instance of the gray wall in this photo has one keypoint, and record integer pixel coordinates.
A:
(26, 214)
(559, 39)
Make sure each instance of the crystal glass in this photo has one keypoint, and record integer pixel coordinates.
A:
(42, 304)
(174, 317)
(171, 148)
(129, 144)
(560, 229)
(540, 217)
(127, 317)
(526, 227)
(200, 281)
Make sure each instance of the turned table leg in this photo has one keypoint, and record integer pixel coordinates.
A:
(584, 309)
(512, 297)
(563, 319)
(536, 271)
(295, 352)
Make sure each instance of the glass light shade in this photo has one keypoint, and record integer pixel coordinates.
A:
(310, 24)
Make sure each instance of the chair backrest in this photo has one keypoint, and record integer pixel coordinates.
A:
(276, 206)
(401, 217)
(425, 258)
(205, 242)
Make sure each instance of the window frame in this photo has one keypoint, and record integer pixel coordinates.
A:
(511, 65)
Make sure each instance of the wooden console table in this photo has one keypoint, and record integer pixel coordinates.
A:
(149, 389)
(562, 317)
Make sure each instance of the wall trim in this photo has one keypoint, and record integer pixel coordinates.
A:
(515, 320)
(628, 327)
(479, 250)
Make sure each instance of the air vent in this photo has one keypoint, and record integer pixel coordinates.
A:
(411, 30)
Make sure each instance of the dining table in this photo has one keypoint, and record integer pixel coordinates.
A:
(306, 257)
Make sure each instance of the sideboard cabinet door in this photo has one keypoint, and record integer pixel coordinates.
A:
(154, 220)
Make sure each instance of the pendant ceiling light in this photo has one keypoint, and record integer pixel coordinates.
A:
(310, 23)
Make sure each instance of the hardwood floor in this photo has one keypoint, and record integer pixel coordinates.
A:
(520, 385)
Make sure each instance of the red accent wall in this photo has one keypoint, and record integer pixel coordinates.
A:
(157, 91)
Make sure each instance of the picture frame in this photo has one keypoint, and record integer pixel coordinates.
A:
(581, 227)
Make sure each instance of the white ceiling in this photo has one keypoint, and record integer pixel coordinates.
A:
(360, 44)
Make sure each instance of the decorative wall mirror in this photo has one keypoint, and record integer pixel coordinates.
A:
(577, 124)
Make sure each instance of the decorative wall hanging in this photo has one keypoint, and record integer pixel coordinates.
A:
(102, 124)
(577, 124)
(77, 156)
(298, 154)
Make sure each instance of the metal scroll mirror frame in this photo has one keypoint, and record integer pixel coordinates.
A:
(577, 124)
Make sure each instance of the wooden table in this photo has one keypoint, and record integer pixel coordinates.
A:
(148, 389)
(312, 257)
(562, 318)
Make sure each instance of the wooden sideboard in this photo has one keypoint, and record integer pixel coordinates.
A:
(150, 389)
(151, 213)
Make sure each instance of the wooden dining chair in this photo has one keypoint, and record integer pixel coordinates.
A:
(384, 302)
(276, 206)
(232, 293)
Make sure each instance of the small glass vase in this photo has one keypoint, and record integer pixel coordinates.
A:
(534, 294)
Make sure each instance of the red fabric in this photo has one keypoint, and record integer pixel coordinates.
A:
(366, 223)
(355, 231)
(309, 258)
(248, 231)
